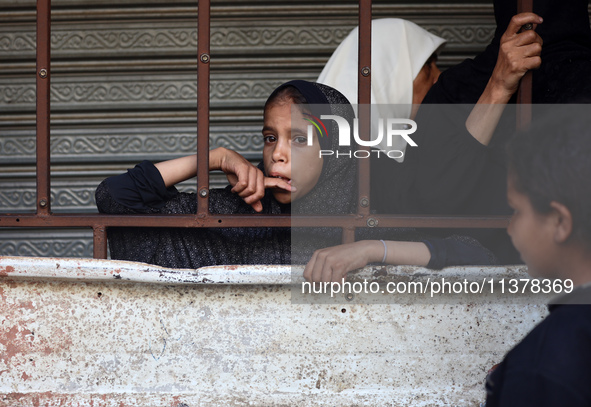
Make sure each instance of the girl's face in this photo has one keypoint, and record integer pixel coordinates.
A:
(286, 143)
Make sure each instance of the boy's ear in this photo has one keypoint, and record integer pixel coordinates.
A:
(564, 222)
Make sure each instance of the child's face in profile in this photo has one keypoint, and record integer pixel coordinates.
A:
(286, 142)
(532, 234)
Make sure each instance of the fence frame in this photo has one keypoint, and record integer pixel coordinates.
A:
(44, 218)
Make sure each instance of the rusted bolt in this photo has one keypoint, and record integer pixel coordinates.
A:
(372, 223)
(349, 296)
(43, 73)
(204, 58)
(203, 193)
(365, 71)
(43, 203)
(364, 202)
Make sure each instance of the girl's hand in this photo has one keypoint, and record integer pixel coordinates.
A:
(333, 263)
(518, 53)
(247, 180)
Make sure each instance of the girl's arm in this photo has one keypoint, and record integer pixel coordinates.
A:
(333, 263)
(247, 180)
(181, 169)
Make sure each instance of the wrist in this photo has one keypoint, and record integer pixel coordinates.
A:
(375, 251)
(496, 93)
(216, 158)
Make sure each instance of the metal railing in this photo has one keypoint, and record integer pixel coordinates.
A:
(43, 217)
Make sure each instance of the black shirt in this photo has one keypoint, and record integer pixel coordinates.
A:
(551, 366)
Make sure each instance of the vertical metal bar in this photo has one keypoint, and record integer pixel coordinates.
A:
(43, 118)
(99, 242)
(364, 109)
(364, 73)
(524, 93)
(348, 235)
(203, 33)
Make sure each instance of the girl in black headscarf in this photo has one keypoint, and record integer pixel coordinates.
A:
(291, 172)
(324, 187)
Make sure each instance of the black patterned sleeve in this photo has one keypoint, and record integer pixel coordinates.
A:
(458, 251)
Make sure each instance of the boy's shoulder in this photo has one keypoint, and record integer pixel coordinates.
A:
(563, 336)
(553, 360)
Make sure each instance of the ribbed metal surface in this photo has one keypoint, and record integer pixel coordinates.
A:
(123, 81)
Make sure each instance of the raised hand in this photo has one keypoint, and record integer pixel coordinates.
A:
(247, 180)
(519, 52)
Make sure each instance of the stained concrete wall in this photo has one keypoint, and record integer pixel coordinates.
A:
(102, 333)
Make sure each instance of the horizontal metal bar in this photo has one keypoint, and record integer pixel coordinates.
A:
(350, 221)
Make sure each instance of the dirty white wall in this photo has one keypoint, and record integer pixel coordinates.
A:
(99, 333)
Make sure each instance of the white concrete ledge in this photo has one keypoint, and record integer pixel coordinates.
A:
(47, 268)
(44, 268)
(72, 333)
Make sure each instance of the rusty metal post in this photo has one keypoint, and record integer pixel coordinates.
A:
(524, 93)
(364, 110)
(99, 239)
(43, 104)
(203, 33)
(348, 235)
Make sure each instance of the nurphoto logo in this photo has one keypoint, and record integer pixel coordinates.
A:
(392, 128)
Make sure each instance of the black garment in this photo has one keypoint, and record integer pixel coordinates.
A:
(450, 172)
(552, 365)
(142, 190)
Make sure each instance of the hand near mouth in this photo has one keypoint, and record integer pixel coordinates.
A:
(254, 199)
(247, 180)
(279, 182)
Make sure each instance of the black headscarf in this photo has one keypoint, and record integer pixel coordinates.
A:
(337, 186)
(336, 189)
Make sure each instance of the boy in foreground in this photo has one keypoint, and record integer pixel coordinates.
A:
(549, 188)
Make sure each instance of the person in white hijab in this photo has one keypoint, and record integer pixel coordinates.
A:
(402, 71)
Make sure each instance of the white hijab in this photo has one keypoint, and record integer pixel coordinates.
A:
(399, 49)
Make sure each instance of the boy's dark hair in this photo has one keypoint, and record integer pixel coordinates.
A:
(552, 162)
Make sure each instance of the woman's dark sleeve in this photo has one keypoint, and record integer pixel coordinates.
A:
(448, 163)
(139, 190)
(458, 251)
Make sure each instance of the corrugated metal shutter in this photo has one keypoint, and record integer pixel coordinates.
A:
(124, 86)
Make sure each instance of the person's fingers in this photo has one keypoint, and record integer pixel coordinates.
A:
(232, 179)
(258, 187)
(271, 182)
(327, 269)
(242, 175)
(519, 20)
(319, 267)
(257, 206)
(255, 199)
(531, 50)
(339, 272)
(251, 181)
(528, 37)
(310, 267)
(532, 63)
(247, 181)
